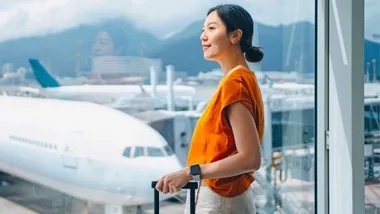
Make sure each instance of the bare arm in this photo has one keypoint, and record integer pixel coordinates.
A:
(246, 137)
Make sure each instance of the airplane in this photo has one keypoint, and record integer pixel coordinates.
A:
(101, 94)
(85, 150)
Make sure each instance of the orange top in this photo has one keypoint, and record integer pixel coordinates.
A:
(213, 138)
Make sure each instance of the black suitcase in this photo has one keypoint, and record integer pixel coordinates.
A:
(191, 185)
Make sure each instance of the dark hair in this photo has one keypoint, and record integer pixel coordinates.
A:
(236, 17)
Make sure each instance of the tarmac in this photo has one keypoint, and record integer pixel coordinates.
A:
(22, 197)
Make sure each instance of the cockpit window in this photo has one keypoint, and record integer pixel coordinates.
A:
(127, 152)
(168, 150)
(139, 151)
(155, 152)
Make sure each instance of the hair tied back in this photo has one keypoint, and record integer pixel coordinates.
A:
(254, 54)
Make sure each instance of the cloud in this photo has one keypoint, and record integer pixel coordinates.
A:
(8, 4)
(21, 18)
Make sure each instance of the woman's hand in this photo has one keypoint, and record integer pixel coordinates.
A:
(173, 182)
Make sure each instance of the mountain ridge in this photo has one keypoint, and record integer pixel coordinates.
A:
(286, 47)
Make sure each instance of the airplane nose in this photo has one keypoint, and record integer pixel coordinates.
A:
(169, 165)
(177, 164)
(174, 164)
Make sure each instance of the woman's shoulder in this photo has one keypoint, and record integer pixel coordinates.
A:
(240, 76)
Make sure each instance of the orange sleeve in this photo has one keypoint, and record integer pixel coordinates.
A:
(234, 90)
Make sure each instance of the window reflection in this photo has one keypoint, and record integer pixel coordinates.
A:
(95, 48)
(371, 107)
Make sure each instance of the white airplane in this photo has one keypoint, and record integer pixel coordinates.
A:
(85, 150)
(101, 94)
(289, 86)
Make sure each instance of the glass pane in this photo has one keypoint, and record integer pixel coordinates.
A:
(127, 152)
(371, 106)
(155, 152)
(168, 150)
(286, 181)
(139, 151)
(115, 53)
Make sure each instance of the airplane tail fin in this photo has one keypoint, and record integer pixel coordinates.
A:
(43, 77)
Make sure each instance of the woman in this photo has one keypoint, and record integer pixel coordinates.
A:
(225, 148)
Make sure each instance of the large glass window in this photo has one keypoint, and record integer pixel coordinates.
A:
(286, 181)
(371, 106)
(107, 51)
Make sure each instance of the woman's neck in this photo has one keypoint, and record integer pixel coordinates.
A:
(231, 61)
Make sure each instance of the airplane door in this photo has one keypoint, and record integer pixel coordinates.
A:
(183, 131)
(69, 158)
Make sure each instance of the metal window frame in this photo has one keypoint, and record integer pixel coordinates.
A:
(321, 105)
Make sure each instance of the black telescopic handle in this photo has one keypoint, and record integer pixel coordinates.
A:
(191, 185)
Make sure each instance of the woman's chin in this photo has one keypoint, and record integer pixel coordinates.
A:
(208, 57)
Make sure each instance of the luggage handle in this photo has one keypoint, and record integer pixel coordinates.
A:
(191, 185)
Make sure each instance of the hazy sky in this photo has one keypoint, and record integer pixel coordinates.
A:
(160, 17)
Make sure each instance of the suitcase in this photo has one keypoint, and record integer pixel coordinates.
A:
(191, 185)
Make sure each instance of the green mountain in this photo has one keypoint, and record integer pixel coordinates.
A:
(184, 51)
(61, 51)
(286, 47)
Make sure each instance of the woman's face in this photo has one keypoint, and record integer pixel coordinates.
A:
(103, 45)
(215, 40)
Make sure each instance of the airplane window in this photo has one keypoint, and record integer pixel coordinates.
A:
(139, 151)
(168, 150)
(155, 152)
(127, 152)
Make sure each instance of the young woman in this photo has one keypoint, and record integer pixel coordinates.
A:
(225, 148)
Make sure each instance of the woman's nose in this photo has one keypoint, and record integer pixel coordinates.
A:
(203, 37)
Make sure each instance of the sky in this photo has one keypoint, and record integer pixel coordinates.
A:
(22, 18)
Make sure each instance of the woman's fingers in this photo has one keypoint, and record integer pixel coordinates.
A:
(166, 185)
(159, 185)
(173, 189)
(165, 188)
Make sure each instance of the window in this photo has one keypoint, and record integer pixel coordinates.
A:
(127, 152)
(155, 152)
(371, 106)
(32, 142)
(139, 151)
(118, 45)
(168, 150)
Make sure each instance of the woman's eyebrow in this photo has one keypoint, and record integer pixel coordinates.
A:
(211, 23)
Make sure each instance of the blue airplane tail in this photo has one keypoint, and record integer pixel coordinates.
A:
(43, 77)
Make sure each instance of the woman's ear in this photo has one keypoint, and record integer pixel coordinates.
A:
(235, 36)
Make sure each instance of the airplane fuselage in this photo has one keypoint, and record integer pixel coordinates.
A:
(86, 163)
(105, 94)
